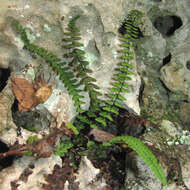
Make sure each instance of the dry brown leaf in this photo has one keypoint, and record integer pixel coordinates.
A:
(43, 93)
(28, 97)
(43, 90)
(100, 135)
(25, 94)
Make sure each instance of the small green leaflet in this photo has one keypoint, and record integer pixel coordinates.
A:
(119, 85)
(79, 110)
(101, 120)
(63, 148)
(118, 105)
(120, 97)
(94, 126)
(122, 75)
(91, 114)
(116, 90)
(126, 51)
(126, 57)
(106, 115)
(123, 90)
(125, 45)
(122, 79)
(111, 109)
(84, 119)
(125, 64)
(112, 96)
(71, 126)
(79, 51)
(32, 139)
(87, 80)
(91, 86)
(109, 102)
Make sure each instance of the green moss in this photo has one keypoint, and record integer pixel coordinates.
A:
(32, 139)
(63, 148)
(28, 153)
(30, 128)
(171, 117)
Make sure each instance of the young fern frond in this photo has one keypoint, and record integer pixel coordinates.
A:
(143, 152)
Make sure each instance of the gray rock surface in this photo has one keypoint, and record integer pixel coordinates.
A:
(165, 93)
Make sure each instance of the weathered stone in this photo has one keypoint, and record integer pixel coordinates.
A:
(99, 24)
(42, 167)
(7, 51)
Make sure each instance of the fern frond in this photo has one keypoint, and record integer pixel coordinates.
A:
(123, 69)
(60, 67)
(143, 152)
(79, 65)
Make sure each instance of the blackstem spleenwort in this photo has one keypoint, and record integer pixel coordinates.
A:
(74, 73)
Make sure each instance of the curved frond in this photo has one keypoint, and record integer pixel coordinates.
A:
(144, 152)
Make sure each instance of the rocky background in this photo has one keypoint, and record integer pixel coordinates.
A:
(160, 92)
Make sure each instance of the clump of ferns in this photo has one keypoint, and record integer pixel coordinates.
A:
(74, 74)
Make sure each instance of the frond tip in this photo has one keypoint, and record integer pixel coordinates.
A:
(143, 152)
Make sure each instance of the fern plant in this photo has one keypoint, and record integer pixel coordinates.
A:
(76, 67)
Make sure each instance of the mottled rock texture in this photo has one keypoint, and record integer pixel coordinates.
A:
(163, 68)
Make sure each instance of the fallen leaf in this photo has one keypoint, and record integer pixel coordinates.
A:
(25, 94)
(100, 135)
(103, 136)
(43, 93)
(30, 95)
